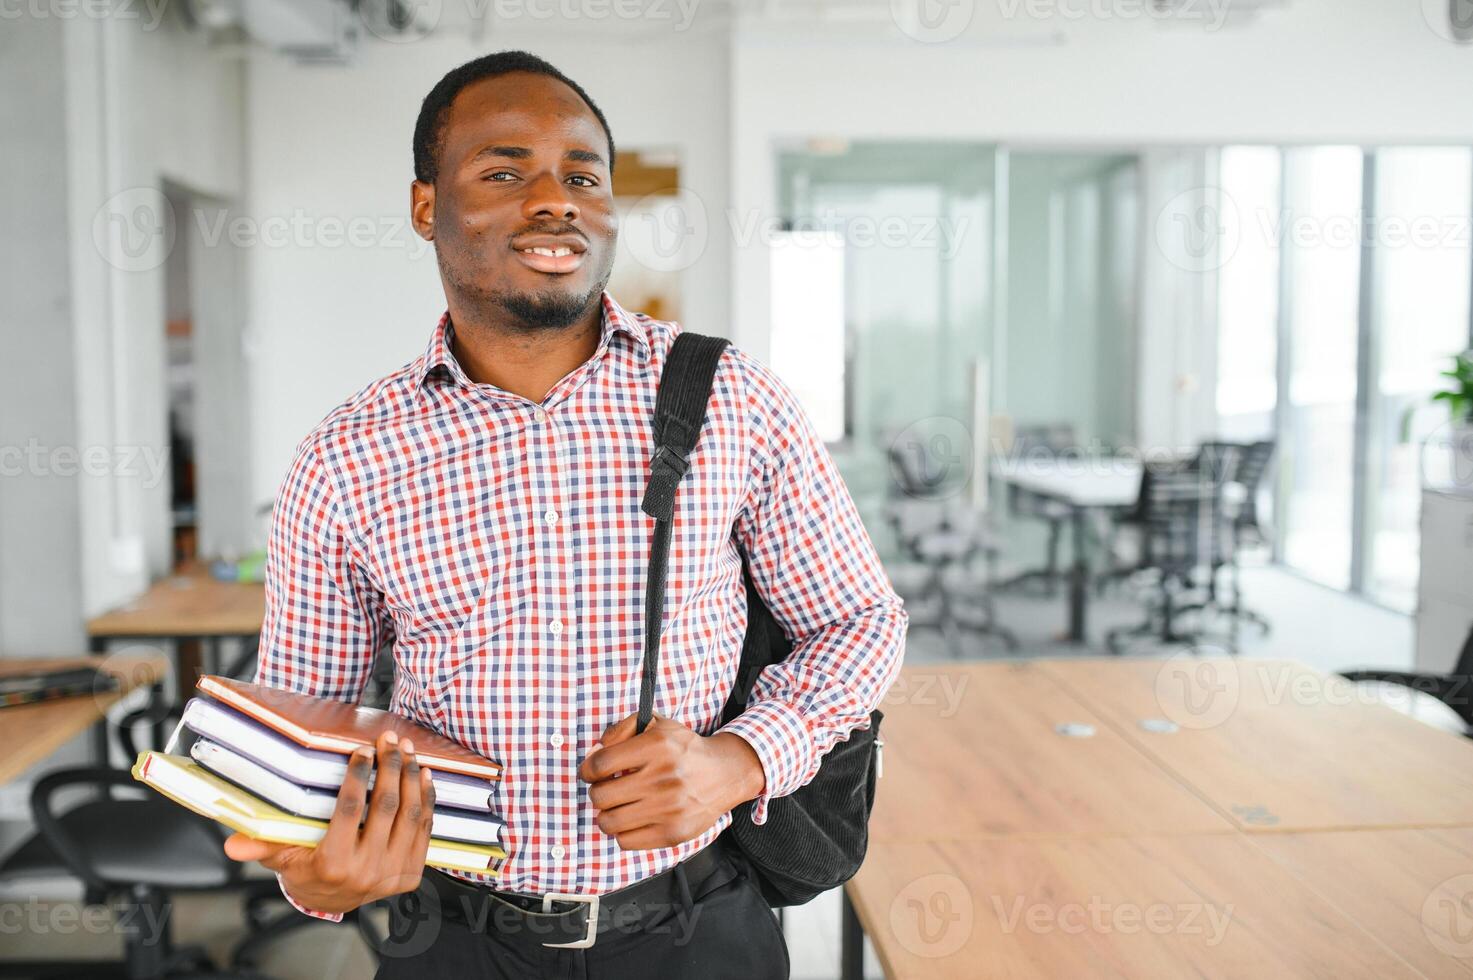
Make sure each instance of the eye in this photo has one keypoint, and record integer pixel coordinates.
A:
(496, 174)
(590, 182)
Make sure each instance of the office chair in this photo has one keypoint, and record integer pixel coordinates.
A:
(1247, 528)
(941, 537)
(1178, 513)
(1033, 442)
(1454, 690)
(1219, 463)
(133, 854)
(259, 895)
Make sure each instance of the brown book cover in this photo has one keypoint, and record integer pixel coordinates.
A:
(336, 726)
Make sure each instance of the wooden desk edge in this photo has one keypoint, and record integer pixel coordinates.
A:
(54, 723)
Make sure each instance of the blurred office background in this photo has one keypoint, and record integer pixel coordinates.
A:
(1001, 250)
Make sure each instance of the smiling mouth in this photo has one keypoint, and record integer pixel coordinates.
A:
(555, 260)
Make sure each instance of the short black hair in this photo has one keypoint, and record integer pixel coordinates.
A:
(430, 126)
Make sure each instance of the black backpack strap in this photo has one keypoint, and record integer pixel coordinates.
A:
(680, 413)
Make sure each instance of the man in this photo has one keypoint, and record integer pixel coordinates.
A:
(482, 506)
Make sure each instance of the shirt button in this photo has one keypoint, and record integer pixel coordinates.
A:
(558, 852)
(550, 517)
(557, 627)
(541, 415)
(557, 740)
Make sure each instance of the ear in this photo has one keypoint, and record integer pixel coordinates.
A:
(422, 209)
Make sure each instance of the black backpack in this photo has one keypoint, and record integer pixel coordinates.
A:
(815, 838)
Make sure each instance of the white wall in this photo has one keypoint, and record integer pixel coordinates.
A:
(99, 111)
(143, 105)
(39, 543)
(336, 142)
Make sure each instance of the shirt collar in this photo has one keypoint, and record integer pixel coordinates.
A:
(615, 319)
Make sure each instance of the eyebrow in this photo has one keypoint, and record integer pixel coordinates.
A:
(523, 153)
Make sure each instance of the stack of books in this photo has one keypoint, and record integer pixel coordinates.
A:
(269, 764)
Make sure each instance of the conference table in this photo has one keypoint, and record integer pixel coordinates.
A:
(1190, 816)
(1081, 484)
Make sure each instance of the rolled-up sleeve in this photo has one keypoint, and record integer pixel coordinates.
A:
(815, 567)
(324, 620)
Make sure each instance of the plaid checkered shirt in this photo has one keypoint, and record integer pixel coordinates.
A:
(502, 545)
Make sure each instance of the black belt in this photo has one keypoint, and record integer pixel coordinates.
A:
(576, 921)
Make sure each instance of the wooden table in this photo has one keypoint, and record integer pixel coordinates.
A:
(1108, 907)
(32, 732)
(972, 751)
(1328, 836)
(1081, 485)
(1272, 744)
(192, 605)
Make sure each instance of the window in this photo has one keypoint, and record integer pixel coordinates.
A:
(1424, 197)
(808, 324)
(1350, 431)
(1248, 296)
(1320, 229)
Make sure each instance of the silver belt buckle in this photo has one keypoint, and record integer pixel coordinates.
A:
(591, 901)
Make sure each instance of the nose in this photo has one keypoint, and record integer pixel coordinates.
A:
(548, 197)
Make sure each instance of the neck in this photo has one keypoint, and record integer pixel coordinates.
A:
(524, 361)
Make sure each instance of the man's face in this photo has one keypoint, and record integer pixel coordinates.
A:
(522, 207)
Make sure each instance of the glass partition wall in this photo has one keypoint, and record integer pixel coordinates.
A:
(952, 292)
(888, 257)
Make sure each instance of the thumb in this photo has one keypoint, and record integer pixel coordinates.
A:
(619, 731)
(239, 847)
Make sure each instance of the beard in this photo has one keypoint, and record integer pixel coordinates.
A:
(547, 309)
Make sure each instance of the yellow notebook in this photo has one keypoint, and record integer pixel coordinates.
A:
(187, 783)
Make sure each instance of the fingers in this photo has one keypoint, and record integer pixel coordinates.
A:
(629, 755)
(414, 812)
(419, 837)
(645, 838)
(422, 838)
(341, 839)
(609, 793)
(631, 816)
(383, 804)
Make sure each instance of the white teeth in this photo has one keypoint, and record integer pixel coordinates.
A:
(549, 251)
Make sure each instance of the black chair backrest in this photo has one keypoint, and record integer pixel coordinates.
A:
(1252, 466)
(1464, 667)
(1180, 512)
(1223, 460)
(917, 473)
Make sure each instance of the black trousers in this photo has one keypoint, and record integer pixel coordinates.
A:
(715, 928)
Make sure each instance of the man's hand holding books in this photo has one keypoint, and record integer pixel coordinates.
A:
(354, 865)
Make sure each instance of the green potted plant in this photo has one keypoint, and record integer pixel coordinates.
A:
(1459, 399)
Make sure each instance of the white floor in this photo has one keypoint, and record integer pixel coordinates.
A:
(1323, 628)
